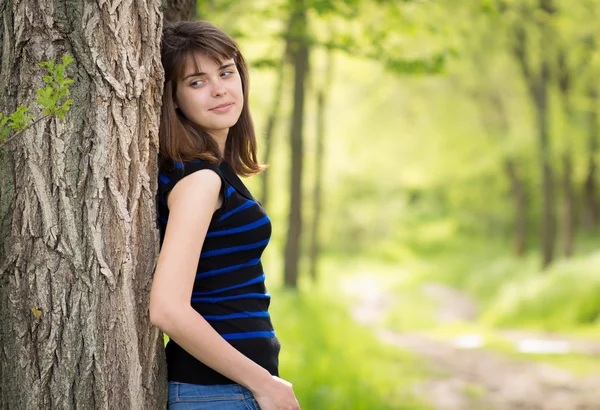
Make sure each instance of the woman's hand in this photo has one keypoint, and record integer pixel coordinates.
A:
(276, 395)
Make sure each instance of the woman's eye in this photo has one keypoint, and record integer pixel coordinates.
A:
(226, 73)
(196, 83)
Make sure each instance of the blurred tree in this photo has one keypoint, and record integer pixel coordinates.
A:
(568, 214)
(78, 238)
(537, 79)
(321, 132)
(485, 50)
(299, 50)
(576, 69)
(498, 127)
(270, 128)
(590, 191)
(584, 51)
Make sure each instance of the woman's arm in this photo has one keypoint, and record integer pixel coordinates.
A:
(192, 203)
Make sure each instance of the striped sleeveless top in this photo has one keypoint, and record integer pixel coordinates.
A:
(229, 288)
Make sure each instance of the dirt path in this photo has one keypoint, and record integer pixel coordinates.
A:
(475, 379)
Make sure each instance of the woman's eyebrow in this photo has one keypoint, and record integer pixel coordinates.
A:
(202, 73)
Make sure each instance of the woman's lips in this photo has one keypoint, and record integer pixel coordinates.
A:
(222, 107)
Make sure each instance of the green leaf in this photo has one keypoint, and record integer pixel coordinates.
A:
(67, 59)
(50, 98)
(36, 312)
(19, 119)
(66, 105)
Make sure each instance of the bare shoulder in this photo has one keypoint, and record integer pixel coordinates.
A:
(199, 188)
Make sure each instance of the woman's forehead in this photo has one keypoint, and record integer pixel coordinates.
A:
(197, 62)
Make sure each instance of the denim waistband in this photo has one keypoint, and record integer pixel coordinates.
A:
(232, 396)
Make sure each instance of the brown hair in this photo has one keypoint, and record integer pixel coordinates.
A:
(182, 140)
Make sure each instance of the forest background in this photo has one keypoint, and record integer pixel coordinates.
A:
(444, 142)
(433, 173)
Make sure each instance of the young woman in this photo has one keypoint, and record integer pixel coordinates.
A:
(208, 292)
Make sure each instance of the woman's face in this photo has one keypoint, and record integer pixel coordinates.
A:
(211, 96)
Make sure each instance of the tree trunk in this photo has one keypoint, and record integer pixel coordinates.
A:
(273, 115)
(517, 183)
(299, 50)
(78, 240)
(590, 200)
(568, 219)
(548, 230)
(519, 195)
(548, 222)
(177, 10)
(568, 215)
(320, 156)
(314, 232)
(538, 87)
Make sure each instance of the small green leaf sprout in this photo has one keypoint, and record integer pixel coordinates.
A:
(54, 98)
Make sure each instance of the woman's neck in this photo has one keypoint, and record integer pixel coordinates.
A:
(221, 140)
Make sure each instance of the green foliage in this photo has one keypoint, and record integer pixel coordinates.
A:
(434, 65)
(4, 129)
(346, 8)
(17, 121)
(53, 98)
(513, 292)
(564, 296)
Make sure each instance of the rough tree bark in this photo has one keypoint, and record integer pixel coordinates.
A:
(299, 50)
(78, 239)
(180, 10)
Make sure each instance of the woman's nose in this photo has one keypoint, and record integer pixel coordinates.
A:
(218, 88)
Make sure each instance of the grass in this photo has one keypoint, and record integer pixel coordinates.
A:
(511, 293)
(335, 363)
(565, 296)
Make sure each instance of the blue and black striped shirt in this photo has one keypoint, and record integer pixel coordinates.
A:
(229, 289)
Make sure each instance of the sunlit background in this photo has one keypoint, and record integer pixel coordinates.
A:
(445, 189)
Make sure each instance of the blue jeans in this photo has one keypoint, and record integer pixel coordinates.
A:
(183, 396)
